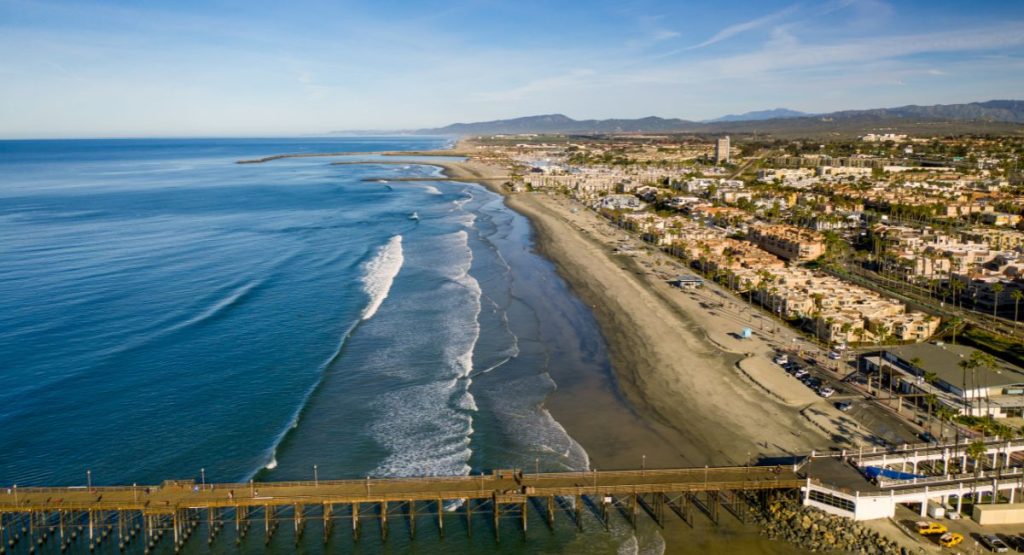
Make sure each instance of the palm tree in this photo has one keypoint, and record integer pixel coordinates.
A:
(1017, 295)
(944, 413)
(957, 288)
(965, 366)
(749, 286)
(954, 323)
(996, 290)
(976, 452)
(986, 363)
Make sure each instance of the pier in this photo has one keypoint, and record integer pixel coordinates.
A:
(146, 513)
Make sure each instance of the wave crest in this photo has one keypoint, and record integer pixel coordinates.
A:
(380, 274)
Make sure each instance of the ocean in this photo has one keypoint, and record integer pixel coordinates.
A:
(166, 313)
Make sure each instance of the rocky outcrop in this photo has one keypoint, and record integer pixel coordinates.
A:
(815, 530)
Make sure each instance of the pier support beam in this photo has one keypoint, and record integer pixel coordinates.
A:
(632, 510)
(412, 519)
(384, 521)
(355, 521)
(497, 517)
(604, 510)
(440, 517)
(524, 515)
(579, 512)
(328, 508)
(551, 512)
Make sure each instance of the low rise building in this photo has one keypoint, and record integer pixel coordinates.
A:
(788, 242)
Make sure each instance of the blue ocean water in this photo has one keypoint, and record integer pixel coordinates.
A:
(168, 313)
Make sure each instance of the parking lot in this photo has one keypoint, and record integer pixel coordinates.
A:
(847, 390)
(1010, 534)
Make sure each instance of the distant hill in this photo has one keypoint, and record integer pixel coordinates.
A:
(559, 123)
(1005, 111)
(994, 116)
(777, 113)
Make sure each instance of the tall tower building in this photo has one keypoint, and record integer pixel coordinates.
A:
(722, 150)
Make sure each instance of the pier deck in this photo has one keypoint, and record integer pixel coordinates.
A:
(171, 495)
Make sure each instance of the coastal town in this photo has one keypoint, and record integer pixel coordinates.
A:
(883, 273)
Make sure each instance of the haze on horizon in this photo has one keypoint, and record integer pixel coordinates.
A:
(193, 68)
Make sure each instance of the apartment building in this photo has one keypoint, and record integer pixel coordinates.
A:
(788, 242)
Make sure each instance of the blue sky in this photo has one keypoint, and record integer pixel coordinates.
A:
(189, 68)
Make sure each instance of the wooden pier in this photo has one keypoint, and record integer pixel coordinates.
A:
(144, 514)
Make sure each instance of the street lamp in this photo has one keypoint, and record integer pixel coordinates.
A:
(88, 480)
(643, 465)
(202, 477)
(316, 477)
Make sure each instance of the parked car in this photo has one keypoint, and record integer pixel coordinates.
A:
(1016, 542)
(844, 405)
(833, 355)
(950, 539)
(927, 437)
(800, 373)
(993, 543)
(826, 392)
(928, 528)
(781, 359)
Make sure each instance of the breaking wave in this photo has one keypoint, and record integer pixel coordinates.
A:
(380, 274)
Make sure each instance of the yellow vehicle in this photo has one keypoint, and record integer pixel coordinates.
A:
(951, 539)
(926, 528)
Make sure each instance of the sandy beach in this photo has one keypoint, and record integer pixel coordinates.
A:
(685, 389)
(670, 355)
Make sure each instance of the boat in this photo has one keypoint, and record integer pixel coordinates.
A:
(414, 216)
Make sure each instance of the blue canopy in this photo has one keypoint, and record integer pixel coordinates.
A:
(874, 472)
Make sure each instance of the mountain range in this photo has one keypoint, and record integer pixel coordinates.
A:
(776, 113)
(996, 116)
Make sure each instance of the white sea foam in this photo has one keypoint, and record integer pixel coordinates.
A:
(422, 434)
(380, 274)
(426, 427)
(432, 190)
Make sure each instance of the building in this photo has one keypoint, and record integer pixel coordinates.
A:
(998, 391)
(722, 150)
(787, 242)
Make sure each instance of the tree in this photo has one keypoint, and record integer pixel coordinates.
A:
(966, 366)
(996, 290)
(976, 452)
(954, 324)
(1017, 295)
(986, 363)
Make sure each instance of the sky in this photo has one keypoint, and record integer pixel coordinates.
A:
(134, 68)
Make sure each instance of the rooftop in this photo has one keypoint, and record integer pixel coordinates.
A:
(944, 361)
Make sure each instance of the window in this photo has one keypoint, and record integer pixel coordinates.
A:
(831, 500)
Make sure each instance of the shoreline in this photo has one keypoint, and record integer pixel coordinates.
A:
(685, 390)
(677, 369)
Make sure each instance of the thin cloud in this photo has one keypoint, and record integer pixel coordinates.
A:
(739, 28)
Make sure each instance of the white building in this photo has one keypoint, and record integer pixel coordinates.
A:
(722, 150)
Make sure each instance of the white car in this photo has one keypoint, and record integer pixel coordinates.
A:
(833, 355)
(826, 392)
(780, 359)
